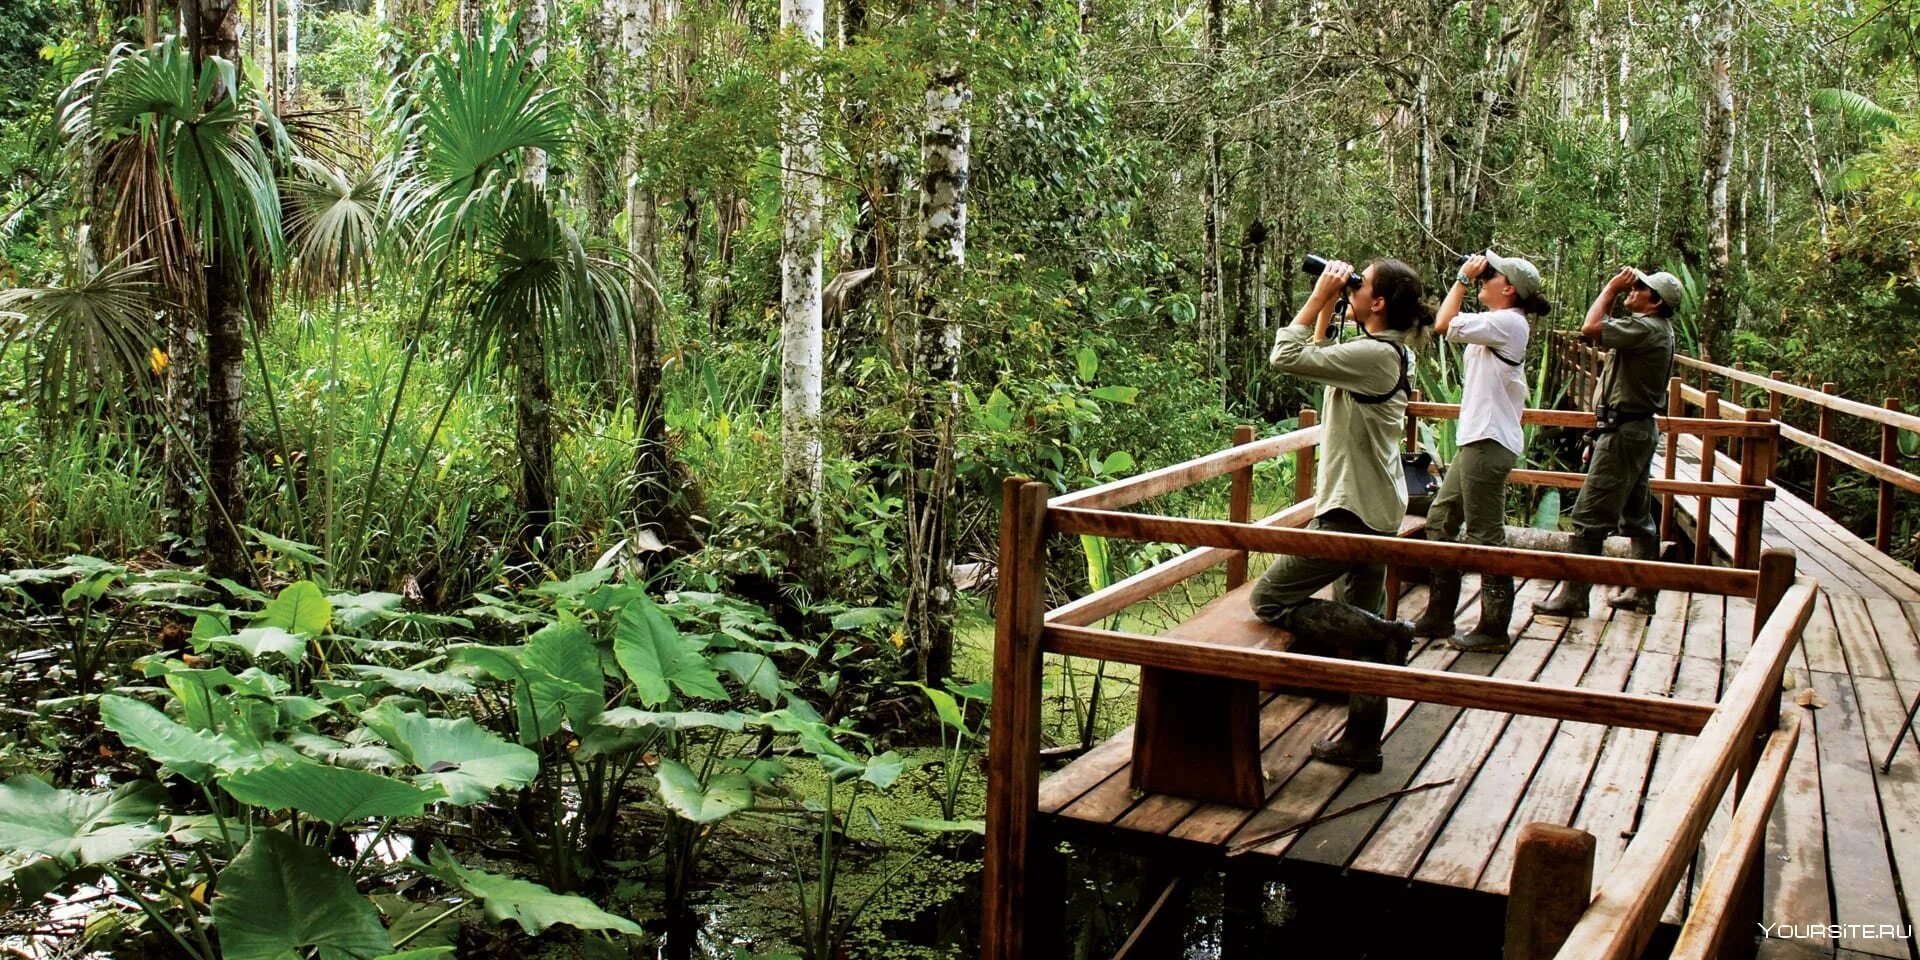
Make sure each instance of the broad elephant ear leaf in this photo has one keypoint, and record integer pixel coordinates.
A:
(714, 800)
(300, 608)
(194, 754)
(532, 906)
(458, 756)
(74, 827)
(658, 659)
(280, 898)
(336, 795)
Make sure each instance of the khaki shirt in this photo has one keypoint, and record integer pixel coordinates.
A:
(1360, 442)
(1635, 377)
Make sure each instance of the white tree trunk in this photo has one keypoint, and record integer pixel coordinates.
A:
(533, 39)
(1423, 150)
(293, 46)
(1718, 151)
(800, 238)
(1212, 327)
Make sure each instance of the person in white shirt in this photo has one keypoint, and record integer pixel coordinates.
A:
(1472, 502)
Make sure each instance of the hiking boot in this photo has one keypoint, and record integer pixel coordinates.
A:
(1358, 747)
(1496, 611)
(1570, 598)
(1637, 598)
(1340, 753)
(1443, 598)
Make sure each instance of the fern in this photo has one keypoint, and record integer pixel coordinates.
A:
(1856, 107)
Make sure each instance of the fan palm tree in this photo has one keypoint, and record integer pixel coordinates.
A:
(174, 123)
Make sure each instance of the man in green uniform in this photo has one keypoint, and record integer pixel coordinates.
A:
(1633, 388)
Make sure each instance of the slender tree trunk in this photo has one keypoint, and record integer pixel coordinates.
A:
(1815, 168)
(1423, 160)
(533, 434)
(293, 47)
(945, 162)
(800, 255)
(652, 491)
(533, 39)
(1212, 329)
(184, 436)
(1718, 151)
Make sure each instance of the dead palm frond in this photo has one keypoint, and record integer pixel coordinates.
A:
(96, 337)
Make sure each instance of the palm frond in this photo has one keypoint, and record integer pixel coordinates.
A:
(538, 270)
(97, 335)
(1857, 107)
(334, 224)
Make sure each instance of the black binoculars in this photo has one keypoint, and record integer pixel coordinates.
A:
(1461, 261)
(1313, 266)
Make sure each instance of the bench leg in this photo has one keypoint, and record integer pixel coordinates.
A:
(1199, 737)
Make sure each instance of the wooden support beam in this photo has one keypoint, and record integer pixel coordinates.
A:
(1622, 916)
(1411, 553)
(1756, 470)
(1153, 483)
(1660, 485)
(1676, 406)
(1822, 466)
(1552, 879)
(1717, 924)
(1703, 511)
(1407, 683)
(1150, 937)
(1889, 455)
(1304, 460)
(1240, 504)
(1013, 756)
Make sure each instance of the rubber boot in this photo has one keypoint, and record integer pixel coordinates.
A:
(1638, 598)
(1443, 598)
(1358, 747)
(1570, 599)
(1496, 611)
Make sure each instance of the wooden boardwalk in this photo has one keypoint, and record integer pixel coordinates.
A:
(1842, 836)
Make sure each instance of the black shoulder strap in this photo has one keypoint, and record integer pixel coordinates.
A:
(1402, 387)
(1503, 358)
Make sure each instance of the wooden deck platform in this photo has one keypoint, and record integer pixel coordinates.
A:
(1842, 838)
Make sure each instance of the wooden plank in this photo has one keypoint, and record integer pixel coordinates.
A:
(1409, 827)
(1858, 639)
(1153, 483)
(1796, 890)
(1558, 783)
(1821, 640)
(1882, 710)
(1739, 629)
(1856, 842)
(1705, 634)
(1668, 625)
(1472, 832)
(1335, 842)
(1087, 771)
(1612, 801)
(1697, 678)
(1717, 907)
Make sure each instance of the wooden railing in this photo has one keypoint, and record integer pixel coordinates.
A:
(1578, 364)
(1736, 740)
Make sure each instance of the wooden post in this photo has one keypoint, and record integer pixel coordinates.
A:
(1889, 454)
(1304, 461)
(1756, 468)
(1013, 755)
(1823, 464)
(1676, 407)
(1703, 515)
(1240, 505)
(1773, 396)
(1551, 886)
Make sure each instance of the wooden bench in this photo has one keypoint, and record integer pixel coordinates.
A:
(1198, 736)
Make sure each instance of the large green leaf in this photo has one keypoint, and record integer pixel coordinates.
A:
(755, 671)
(716, 799)
(532, 906)
(300, 608)
(654, 655)
(632, 717)
(256, 642)
(555, 675)
(336, 795)
(457, 755)
(280, 897)
(77, 828)
(355, 610)
(194, 754)
(413, 681)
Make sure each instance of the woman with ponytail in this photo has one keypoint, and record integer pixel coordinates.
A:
(1361, 487)
(1493, 395)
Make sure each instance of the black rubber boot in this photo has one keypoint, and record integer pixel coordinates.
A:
(1570, 599)
(1358, 747)
(1496, 612)
(1443, 598)
(1638, 598)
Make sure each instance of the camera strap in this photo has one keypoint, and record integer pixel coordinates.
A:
(1402, 387)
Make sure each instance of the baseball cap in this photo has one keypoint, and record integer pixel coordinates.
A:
(1665, 284)
(1524, 276)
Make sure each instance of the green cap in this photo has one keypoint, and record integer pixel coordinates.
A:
(1524, 276)
(1665, 284)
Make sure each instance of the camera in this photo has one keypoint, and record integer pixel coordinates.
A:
(1313, 265)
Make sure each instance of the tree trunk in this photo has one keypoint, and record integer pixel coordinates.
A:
(652, 491)
(533, 39)
(942, 251)
(184, 436)
(533, 433)
(293, 46)
(1212, 332)
(1718, 151)
(800, 253)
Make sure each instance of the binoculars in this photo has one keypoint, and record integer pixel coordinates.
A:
(1313, 265)
(1461, 261)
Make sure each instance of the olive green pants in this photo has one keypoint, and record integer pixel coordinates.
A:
(1293, 580)
(1615, 494)
(1473, 496)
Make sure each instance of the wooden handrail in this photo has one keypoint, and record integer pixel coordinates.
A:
(1643, 712)
(1579, 419)
(1853, 458)
(1726, 408)
(1724, 491)
(1865, 411)
(1395, 550)
(1131, 490)
(1711, 916)
(1622, 916)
